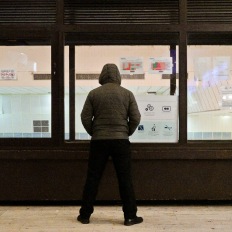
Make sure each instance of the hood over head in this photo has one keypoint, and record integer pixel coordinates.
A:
(110, 74)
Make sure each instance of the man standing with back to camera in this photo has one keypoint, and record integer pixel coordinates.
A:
(110, 115)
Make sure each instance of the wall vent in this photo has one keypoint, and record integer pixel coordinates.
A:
(41, 126)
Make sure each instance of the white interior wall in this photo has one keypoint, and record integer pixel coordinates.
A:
(209, 123)
(19, 111)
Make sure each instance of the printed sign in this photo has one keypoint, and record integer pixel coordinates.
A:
(221, 67)
(7, 74)
(159, 119)
(161, 65)
(131, 65)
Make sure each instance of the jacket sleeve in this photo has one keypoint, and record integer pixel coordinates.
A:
(87, 115)
(134, 115)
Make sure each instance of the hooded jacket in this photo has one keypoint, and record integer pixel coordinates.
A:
(110, 111)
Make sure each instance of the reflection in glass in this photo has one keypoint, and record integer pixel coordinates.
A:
(209, 93)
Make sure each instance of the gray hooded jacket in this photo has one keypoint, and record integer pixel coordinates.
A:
(110, 111)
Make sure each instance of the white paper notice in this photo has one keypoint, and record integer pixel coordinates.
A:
(131, 65)
(221, 67)
(160, 65)
(159, 119)
(8, 74)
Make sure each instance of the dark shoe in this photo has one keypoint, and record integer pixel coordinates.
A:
(83, 220)
(131, 222)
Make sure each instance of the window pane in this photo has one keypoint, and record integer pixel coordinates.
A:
(145, 71)
(25, 91)
(209, 93)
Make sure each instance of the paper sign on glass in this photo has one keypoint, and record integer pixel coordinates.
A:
(162, 65)
(131, 65)
(221, 67)
(7, 74)
(159, 119)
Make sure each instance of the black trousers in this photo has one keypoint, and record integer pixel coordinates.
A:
(100, 151)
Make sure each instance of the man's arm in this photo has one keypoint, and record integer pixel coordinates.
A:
(87, 115)
(134, 115)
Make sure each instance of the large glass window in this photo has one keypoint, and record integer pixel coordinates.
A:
(150, 72)
(25, 91)
(209, 92)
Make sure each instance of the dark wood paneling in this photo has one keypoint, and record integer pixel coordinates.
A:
(216, 38)
(119, 38)
(154, 179)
